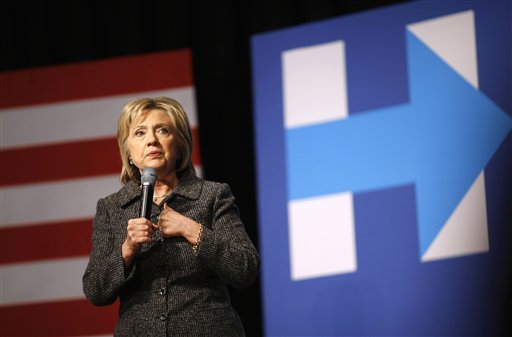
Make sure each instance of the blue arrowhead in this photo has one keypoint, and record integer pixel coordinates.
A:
(440, 141)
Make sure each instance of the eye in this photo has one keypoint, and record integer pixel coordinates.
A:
(164, 130)
(138, 133)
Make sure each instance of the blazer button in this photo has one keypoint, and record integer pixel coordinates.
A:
(163, 317)
(161, 291)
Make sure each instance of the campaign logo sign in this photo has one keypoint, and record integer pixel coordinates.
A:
(383, 144)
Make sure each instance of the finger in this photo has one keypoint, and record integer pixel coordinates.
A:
(137, 233)
(142, 234)
(142, 221)
(140, 240)
(139, 225)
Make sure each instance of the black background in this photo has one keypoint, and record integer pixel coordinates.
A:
(44, 33)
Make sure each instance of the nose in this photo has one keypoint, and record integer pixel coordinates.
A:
(152, 139)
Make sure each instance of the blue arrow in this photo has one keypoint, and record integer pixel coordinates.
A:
(440, 141)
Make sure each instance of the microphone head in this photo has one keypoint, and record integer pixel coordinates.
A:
(148, 176)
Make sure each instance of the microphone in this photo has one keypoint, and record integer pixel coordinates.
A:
(148, 180)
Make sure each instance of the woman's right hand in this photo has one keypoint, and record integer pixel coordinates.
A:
(139, 231)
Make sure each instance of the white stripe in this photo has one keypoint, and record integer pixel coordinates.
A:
(453, 38)
(77, 120)
(54, 201)
(311, 257)
(465, 232)
(52, 280)
(315, 85)
(199, 171)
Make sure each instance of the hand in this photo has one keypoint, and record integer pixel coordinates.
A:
(172, 223)
(139, 231)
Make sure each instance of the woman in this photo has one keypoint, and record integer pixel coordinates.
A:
(171, 273)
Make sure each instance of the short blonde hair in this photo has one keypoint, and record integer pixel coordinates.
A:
(133, 111)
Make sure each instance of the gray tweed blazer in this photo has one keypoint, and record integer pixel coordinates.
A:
(169, 290)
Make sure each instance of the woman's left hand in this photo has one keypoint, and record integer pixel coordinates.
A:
(172, 223)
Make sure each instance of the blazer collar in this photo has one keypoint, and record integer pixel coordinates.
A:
(189, 186)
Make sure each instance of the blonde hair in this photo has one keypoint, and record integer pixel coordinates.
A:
(133, 111)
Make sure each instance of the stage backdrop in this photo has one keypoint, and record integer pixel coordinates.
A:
(59, 156)
(384, 165)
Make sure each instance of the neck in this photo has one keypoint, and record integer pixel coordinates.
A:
(164, 187)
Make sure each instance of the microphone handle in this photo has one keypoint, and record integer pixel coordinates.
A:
(147, 196)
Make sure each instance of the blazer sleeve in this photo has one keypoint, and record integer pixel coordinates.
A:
(105, 274)
(226, 247)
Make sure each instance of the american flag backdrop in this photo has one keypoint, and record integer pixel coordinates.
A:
(59, 155)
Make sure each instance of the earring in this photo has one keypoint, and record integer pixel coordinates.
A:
(130, 161)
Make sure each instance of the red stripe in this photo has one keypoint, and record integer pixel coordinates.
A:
(45, 241)
(70, 318)
(156, 71)
(66, 161)
(60, 161)
(196, 160)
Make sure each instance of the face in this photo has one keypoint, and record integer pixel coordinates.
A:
(151, 143)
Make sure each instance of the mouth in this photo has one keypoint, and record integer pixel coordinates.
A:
(154, 154)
